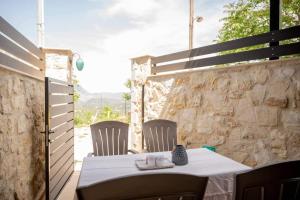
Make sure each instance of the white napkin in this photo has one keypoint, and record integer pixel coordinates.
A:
(154, 162)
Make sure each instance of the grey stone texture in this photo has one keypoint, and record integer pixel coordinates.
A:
(250, 112)
(21, 140)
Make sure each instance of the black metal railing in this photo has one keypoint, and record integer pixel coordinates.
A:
(159, 63)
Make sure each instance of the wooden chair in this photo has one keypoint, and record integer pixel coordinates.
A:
(147, 187)
(160, 135)
(110, 138)
(274, 182)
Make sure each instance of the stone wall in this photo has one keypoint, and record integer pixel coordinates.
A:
(140, 70)
(250, 112)
(21, 143)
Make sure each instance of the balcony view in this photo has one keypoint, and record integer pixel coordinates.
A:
(150, 100)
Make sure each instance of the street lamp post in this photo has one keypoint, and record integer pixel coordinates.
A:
(40, 23)
(191, 23)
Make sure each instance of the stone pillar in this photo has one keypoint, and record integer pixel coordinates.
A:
(140, 70)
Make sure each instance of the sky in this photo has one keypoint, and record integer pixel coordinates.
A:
(107, 33)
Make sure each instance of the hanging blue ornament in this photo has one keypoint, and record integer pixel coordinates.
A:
(79, 64)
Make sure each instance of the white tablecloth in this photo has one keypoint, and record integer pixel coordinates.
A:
(202, 162)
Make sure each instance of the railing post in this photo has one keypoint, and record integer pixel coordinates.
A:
(275, 12)
(63, 52)
(43, 59)
(143, 114)
(70, 68)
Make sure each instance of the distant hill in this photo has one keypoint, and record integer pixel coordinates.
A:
(97, 100)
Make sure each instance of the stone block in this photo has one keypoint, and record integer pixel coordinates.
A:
(266, 116)
(197, 81)
(278, 143)
(261, 153)
(288, 72)
(245, 83)
(6, 106)
(224, 111)
(186, 119)
(257, 94)
(277, 93)
(204, 124)
(261, 75)
(3, 127)
(279, 102)
(236, 94)
(290, 118)
(229, 122)
(195, 100)
(240, 156)
(244, 111)
(222, 83)
(212, 99)
(216, 140)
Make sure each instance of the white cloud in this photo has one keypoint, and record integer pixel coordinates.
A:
(152, 27)
(133, 8)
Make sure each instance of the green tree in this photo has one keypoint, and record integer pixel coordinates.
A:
(107, 113)
(251, 17)
(126, 95)
(128, 83)
(76, 95)
(83, 117)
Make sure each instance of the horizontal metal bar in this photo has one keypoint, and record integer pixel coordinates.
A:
(16, 65)
(60, 173)
(55, 168)
(60, 99)
(61, 140)
(56, 191)
(61, 151)
(17, 51)
(61, 109)
(283, 34)
(61, 129)
(61, 119)
(281, 50)
(55, 81)
(16, 36)
(63, 52)
(58, 88)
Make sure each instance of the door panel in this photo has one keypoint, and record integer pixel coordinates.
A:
(59, 126)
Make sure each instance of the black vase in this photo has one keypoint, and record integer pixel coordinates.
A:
(179, 155)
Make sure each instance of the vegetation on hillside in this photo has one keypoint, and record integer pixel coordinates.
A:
(127, 97)
(85, 116)
(76, 95)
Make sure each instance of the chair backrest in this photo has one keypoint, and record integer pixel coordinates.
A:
(160, 135)
(279, 181)
(109, 138)
(147, 187)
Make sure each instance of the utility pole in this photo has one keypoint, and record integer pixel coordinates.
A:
(191, 24)
(40, 23)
